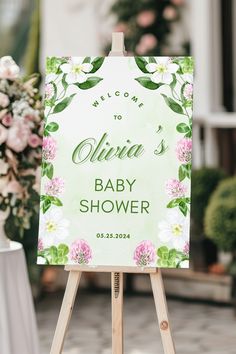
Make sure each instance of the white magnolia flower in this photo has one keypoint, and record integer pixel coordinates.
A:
(162, 70)
(8, 68)
(174, 230)
(76, 71)
(53, 227)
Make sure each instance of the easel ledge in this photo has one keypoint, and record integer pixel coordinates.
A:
(117, 279)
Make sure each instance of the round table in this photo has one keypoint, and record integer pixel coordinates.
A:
(18, 330)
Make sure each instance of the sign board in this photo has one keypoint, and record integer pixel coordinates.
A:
(116, 161)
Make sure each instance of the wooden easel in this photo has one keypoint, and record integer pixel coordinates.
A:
(117, 276)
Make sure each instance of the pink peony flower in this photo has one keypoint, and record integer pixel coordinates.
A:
(170, 13)
(80, 252)
(7, 120)
(55, 186)
(188, 92)
(49, 91)
(13, 187)
(34, 140)
(186, 248)
(4, 100)
(40, 244)
(146, 18)
(184, 150)
(175, 189)
(147, 42)
(144, 253)
(49, 148)
(8, 68)
(3, 134)
(18, 136)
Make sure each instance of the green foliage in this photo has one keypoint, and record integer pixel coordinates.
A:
(63, 104)
(127, 12)
(220, 217)
(204, 182)
(170, 258)
(91, 82)
(181, 203)
(148, 83)
(55, 255)
(174, 106)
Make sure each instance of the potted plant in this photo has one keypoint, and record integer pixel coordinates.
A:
(204, 182)
(220, 221)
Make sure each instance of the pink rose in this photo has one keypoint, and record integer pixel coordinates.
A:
(144, 253)
(7, 120)
(184, 150)
(34, 140)
(147, 43)
(8, 68)
(146, 18)
(3, 134)
(170, 13)
(14, 187)
(18, 136)
(4, 100)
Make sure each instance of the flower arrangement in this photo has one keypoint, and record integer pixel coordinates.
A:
(21, 139)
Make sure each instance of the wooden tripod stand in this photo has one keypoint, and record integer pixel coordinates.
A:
(117, 274)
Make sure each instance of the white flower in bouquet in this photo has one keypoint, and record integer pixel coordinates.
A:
(18, 136)
(4, 100)
(8, 68)
(76, 71)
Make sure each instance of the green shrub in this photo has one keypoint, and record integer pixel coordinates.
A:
(220, 217)
(204, 182)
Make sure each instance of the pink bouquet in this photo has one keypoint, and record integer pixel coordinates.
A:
(20, 144)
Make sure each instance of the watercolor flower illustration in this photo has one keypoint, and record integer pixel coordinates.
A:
(53, 227)
(174, 230)
(162, 70)
(144, 253)
(184, 150)
(76, 71)
(49, 91)
(188, 92)
(55, 187)
(80, 252)
(175, 188)
(49, 148)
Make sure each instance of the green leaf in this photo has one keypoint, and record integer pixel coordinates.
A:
(56, 201)
(173, 104)
(64, 249)
(97, 63)
(152, 60)
(86, 60)
(44, 168)
(52, 127)
(162, 251)
(49, 170)
(64, 83)
(182, 128)
(182, 172)
(189, 134)
(63, 104)
(174, 203)
(91, 82)
(142, 62)
(174, 82)
(183, 208)
(146, 82)
(46, 205)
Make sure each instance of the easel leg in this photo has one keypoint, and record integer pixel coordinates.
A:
(117, 312)
(66, 311)
(162, 312)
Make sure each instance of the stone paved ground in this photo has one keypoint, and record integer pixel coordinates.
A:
(197, 328)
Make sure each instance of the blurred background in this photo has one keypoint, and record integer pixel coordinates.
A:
(30, 30)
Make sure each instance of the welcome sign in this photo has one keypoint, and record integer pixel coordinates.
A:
(116, 162)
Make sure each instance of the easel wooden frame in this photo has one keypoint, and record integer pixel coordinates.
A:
(117, 278)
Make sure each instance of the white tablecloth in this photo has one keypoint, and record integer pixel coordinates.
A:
(18, 330)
